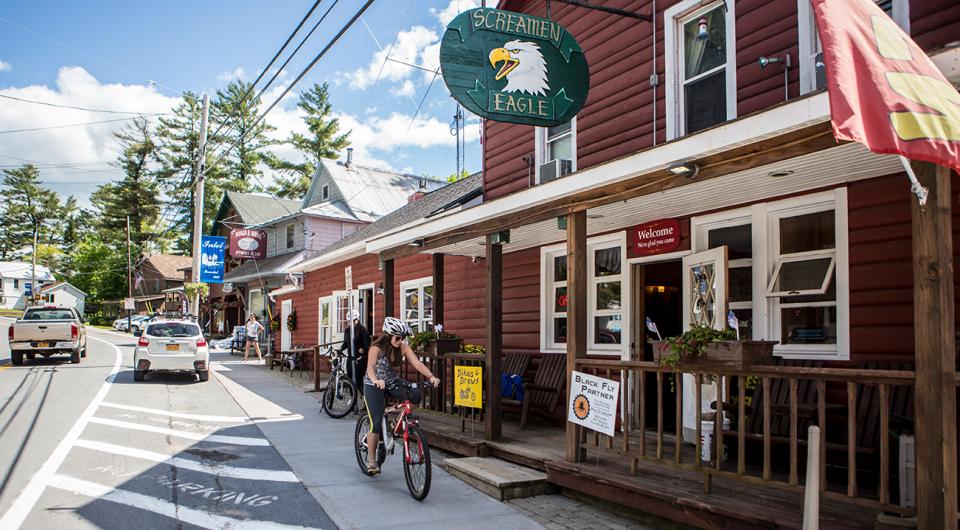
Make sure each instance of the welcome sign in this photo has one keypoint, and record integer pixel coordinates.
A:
(513, 67)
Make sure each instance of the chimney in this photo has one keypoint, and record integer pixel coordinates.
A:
(416, 196)
(349, 156)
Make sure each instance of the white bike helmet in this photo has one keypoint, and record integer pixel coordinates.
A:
(395, 326)
(354, 315)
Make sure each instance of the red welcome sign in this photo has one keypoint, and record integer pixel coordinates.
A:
(248, 244)
(655, 237)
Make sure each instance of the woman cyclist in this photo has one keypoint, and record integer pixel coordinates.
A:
(386, 355)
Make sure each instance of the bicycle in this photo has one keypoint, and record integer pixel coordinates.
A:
(340, 396)
(406, 427)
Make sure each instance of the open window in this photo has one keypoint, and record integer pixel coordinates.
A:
(799, 276)
(416, 304)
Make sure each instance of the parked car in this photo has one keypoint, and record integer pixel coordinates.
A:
(47, 330)
(175, 345)
(136, 323)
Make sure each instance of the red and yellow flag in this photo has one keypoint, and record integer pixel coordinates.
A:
(884, 91)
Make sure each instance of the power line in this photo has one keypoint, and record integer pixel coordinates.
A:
(73, 107)
(84, 124)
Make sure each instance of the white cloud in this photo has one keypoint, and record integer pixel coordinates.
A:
(445, 15)
(408, 47)
(405, 89)
(386, 134)
(238, 73)
(4, 66)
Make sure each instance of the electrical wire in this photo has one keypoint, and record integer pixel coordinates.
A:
(72, 107)
(84, 124)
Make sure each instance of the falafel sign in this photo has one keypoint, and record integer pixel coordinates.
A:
(513, 67)
(593, 402)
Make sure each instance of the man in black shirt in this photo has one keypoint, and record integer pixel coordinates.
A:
(361, 344)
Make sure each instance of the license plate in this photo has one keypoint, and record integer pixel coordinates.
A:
(173, 347)
(43, 345)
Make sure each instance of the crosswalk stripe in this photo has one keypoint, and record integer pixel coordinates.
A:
(245, 473)
(159, 506)
(183, 415)
(236, 440)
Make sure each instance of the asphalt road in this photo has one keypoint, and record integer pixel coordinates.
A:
(83, 446)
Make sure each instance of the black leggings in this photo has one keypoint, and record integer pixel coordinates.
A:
(376, 400)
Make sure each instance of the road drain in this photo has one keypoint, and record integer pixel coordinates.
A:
(212, 454)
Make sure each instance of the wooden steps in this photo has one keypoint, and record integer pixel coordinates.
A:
(499, 479)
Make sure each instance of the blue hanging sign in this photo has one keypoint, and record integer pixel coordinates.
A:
(212, 251)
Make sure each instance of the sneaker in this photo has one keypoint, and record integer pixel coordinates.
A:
(373, 468)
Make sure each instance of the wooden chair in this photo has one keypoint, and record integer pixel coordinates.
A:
(543, 395)
(516, 364)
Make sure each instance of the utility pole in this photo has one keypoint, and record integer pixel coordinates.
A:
(33, 269)
(198, 206)
(129, 274)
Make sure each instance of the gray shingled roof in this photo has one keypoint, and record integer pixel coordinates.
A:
(254, 208)
(447, 196)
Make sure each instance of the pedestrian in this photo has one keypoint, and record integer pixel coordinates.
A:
(361, 344)
(253, 331)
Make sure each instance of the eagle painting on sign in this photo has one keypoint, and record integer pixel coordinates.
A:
(513, 67)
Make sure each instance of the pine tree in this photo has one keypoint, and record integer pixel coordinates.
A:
(27, 206)
(244, 164)
(322, 141)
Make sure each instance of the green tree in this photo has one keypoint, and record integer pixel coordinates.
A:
(27, 208)
(136, 195)
(98, 269)
(323, 140)
(235, 106)
(454, 177)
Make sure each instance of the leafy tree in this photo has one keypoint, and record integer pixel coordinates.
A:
(28, 207)
(322, 141)
(454, 177)
(98, 269)
(235, 106)
(137, 195)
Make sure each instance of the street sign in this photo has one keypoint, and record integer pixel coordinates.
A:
(593, 402)
(212, 252)
(28, 289)
(468, 386)
(513, 67)
(348, 276)
(248, 244)
(129, 304)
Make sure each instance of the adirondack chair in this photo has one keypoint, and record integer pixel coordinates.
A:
(516, 363)
(543, 395)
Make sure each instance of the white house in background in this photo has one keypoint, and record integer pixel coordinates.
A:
(64, 294)
(16, 281)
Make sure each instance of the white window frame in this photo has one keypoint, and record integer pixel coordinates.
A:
(540, 148)
(700, 233)
(547, 285)
(764, 218)
(674, 18)
(290, 235)
(324, 192)
(803, 256)
(419, 284)
(320, 301)
(340, 297)
(809, 42)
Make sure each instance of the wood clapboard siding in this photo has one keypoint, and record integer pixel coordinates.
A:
(934, 23)
(765, 28)
(881, 268)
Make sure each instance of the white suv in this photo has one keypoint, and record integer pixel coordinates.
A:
(171, 345)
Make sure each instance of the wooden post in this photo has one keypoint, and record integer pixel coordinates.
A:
(491, 420)
(576, 312)
(933, 310)
(438, 289)
(388, 288)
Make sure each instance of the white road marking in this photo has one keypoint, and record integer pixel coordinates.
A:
(245, 473)
(160, 506)
(236, 440)
(25, 502)
(202, 417)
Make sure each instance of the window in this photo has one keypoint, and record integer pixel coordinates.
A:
(788, 271)
(325, 323)
(416, 304)
(556, 151)
(172, 329)
(290, 233)
(16, 284)
(812, 68)
(701, 76)
(325, 192)
(606, 289)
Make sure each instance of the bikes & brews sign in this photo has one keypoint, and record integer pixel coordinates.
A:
(468, 386)
(513, 67)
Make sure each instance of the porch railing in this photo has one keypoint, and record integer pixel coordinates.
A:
(441, 399)
(845, 400)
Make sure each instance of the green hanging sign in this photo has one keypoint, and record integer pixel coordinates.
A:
(515, 68)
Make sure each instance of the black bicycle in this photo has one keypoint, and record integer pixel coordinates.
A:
(340, 396)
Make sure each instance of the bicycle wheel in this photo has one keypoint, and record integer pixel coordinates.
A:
(339, 398)
(416, 469)
(360, 445)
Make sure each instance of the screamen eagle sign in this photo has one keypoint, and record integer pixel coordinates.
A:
(513, 67)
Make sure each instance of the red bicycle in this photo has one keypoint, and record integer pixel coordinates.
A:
(399, 423)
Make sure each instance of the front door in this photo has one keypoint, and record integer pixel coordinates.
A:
(286, 307)
(704, 304)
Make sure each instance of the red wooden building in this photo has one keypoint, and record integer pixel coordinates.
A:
(809, 242)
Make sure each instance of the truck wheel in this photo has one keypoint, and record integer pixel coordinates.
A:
(75, 356)
(204, 375)
(138, 375)
(16, 357)
(83, 352)
(31, 356)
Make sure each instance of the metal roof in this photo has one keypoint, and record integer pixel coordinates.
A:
(20, 270)
(256, 208)
(273, 266)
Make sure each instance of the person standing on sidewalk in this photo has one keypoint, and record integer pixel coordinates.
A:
(361, 344)
(253, 333)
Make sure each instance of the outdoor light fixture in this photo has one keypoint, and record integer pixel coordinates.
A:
(780, 173)
(417, 243)
(703, 32)
(684, 169)
(380, 288)
(785, 61)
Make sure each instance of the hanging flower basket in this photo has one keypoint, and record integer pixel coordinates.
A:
(436, 343)
(702, 347)
(292, 321)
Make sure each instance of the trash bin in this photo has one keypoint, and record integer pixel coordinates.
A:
(706, 439)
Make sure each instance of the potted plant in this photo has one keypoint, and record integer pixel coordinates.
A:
(292, 321)
(436, 342)
(706, 347)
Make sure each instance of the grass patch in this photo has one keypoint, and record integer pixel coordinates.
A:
(15, 313)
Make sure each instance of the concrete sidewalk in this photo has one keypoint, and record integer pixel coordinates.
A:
(320, 452)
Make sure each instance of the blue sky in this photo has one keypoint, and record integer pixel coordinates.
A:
(107, 52)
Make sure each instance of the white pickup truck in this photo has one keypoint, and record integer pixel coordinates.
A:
(46, 331)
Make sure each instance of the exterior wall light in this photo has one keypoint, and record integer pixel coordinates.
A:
(684, 169)
(703, 32)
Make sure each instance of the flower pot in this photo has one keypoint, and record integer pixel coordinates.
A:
(724, 354)
(442, 346)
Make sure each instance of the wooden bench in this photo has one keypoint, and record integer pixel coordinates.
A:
(543, 394)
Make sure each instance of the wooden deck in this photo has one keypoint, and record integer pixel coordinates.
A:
(661, 490)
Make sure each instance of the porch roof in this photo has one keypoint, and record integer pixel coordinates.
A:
(760, 140)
